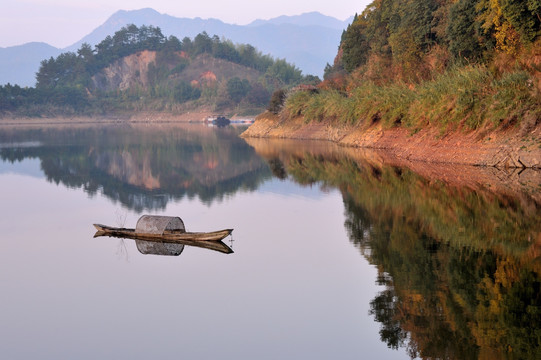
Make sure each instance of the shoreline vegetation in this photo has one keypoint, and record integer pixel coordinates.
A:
(467, 115)
(441, 81)
(465, 98)
(149, 117)
(501, 149)
(139, 69)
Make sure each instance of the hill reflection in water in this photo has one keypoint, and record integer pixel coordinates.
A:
(457, 248)
(141, 167)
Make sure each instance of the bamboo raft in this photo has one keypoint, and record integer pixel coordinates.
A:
(169, 230)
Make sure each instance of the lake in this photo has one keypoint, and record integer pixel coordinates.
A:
(338, 253)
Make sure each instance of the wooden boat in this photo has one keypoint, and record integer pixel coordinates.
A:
(167, 229)
(167, 236)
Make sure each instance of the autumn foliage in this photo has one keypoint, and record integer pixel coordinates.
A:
(451, 64)
(413, 40)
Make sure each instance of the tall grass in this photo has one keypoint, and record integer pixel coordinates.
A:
(467, 98)
(457, 97)
(387, 104)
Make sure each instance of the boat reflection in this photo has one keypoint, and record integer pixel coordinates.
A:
(163, 248)
(156, 248)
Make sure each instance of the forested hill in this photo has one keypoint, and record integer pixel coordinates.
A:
(138, 68)
(446, 63)
(414, 39)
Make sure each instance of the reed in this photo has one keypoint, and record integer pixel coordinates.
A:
(465, 98)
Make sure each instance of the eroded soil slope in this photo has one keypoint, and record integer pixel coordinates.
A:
(509, 148)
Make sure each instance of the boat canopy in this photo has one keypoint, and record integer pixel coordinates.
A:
(155, 224)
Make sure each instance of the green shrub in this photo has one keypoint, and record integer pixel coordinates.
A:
(463, 97)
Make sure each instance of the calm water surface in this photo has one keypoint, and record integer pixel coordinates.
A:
(337, 254)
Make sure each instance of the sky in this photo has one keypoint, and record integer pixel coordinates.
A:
(61, 23)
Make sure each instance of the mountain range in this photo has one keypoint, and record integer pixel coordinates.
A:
(309, 40)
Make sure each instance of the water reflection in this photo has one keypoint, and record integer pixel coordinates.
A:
(155, 248)
(139, 166)
(168, 249)
(457, 248)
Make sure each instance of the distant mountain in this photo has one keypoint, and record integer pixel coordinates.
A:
(170, 25)
(19, 64)
(309, 40)
(307, 19)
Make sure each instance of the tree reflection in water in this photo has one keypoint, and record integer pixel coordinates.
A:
(139, 166)
(457, 248)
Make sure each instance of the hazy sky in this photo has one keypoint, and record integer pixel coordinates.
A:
(63, 22)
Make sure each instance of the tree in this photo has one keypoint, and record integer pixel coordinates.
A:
(202, 43)
(103, 50)
(184, 92)
(525, 16)
(173, 44)
(87, 57)
(225, 50)
(47, 73)
(495, 25)
(258, 95)
(68, 69)
(463, 33)
(311, 80)
(277, 101)
(237, 88)
(187, 44)
(354, 45)
(285, 72)
(85, 52)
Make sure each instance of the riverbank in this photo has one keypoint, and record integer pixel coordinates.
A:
(140, 117)
(198, 116)
(497, 148)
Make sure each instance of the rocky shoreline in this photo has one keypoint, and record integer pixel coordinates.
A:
(501, 148)
(511, 148)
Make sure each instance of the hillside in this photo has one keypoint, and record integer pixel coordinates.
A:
(428, 70)
(140, 69)
(281, 37)
(308, 41)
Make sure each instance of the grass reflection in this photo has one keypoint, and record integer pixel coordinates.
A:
(458, 249)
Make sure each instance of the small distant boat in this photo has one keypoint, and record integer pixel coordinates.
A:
(217, 120)
(167, 229)
(221, 121)
(242, 121)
